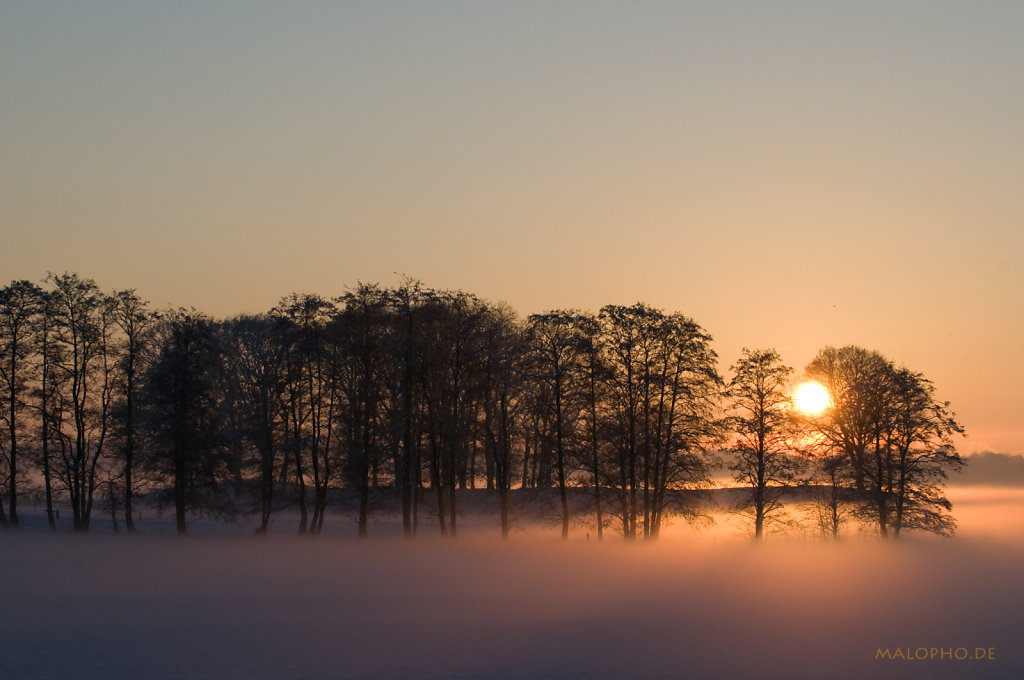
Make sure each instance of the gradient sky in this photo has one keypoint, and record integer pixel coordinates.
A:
(789, 174)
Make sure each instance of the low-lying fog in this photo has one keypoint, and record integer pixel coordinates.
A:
(694, 605)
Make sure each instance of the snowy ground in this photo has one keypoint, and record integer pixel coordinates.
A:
(225, 604)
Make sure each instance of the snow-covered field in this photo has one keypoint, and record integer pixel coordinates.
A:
(225, 604)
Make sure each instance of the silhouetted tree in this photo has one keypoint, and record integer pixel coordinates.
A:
(180, 410)
(48, 399)
(504, 350)
(451, 390)
(310, 395)
(252, 375)
(663, 390)
(556, 359)
(130, 313)
(893, 435)
(830, 502)
(359, 332)
(405, 348)
(762, 420)
(856, 382)
(410, 387)
(86, 364)
(19, 305)
(596, 375)
(919, 452)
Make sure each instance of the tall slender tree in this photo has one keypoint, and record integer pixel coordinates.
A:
(765, 428)
(663, 391)
(310, 393)
(19, 305)
(505, 348)
(48, 398)
(86, 370)
(406, 347)
(596, 376)
(253, 374)
(131, 314)
(359, 332)
(557, 346)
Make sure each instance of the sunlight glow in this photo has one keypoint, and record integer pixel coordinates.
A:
(811, 398)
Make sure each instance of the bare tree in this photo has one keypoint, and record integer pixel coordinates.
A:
(894, 436)
(830, 503)
(48, 397)
(359, 333)
(180, 409)
(450, 370)
(86, 364)
(763, 422)
(253, 376)
(310, 396)
(19, 305)
(920, 451)
(596, 375)
(505, 346)
(130, 313)
(663, 390)
(556, 351)
(405, 348)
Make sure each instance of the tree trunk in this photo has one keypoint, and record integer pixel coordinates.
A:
(179, 492)
(364, 504)
(112, 499)
(129, 444)
(596, 460)
(266, 486)
(48, 485)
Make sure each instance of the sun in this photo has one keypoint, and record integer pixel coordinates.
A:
(811, 398)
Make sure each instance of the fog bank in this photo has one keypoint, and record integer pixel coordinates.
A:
(704, 606)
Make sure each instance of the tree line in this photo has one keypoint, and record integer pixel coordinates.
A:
(417, 393)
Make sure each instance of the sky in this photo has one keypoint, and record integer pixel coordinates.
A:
(789, 174)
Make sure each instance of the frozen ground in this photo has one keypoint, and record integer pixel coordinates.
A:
(692, 606)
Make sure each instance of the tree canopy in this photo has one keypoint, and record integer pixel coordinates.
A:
(414, 395)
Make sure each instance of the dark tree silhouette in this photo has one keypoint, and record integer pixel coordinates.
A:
(85, 366)
(451, 392)
(405, 389)
(596, 375)
(19, 305)
(406, 348)
(765, 427)
(662, 394)
(919, 453)
(318, 362)
(505, 347)
(47, 395)
(180, 404)
(556, 358)
(893, 436)
(311, 396)
(252, 379)
(130, 313)
(360, 334)
(831, 496)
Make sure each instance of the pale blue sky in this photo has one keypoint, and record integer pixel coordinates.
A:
(790, 174)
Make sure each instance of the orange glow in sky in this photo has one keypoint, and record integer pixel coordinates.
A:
(688, 155)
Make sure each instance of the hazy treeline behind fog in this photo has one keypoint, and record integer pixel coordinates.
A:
(418, 392)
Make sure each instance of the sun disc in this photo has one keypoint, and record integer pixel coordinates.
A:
(811, 398)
